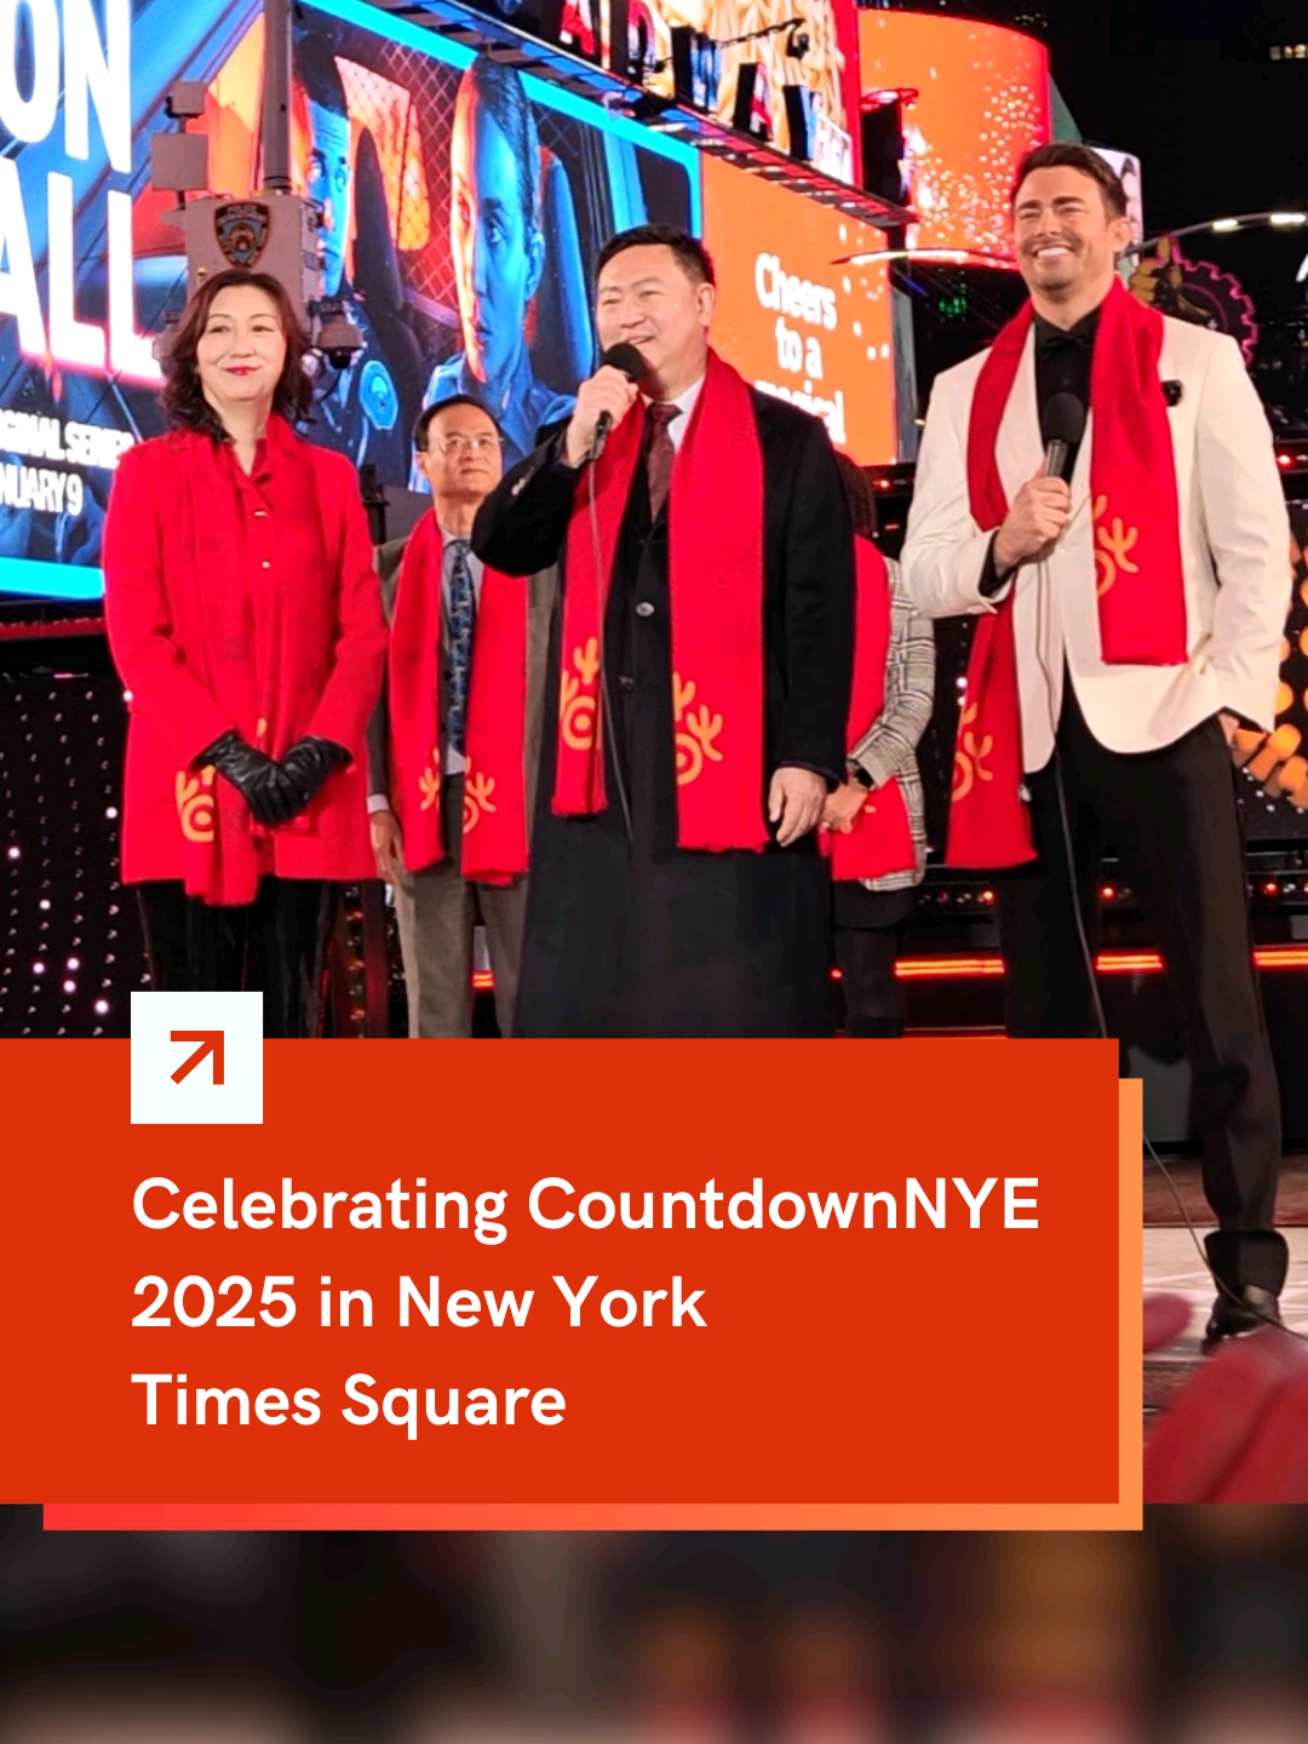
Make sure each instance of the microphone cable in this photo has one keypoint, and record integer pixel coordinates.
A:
(607, 725)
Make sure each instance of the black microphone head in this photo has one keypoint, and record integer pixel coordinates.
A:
(626, 358)
(1063, 420)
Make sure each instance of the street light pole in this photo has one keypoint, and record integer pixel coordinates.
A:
(1224, 227)
(277, 96)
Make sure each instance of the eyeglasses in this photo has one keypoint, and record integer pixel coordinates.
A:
(456, 444)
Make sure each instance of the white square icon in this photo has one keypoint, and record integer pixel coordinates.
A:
(197, 1059)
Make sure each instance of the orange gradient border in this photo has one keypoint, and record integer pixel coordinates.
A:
(1125, 1514)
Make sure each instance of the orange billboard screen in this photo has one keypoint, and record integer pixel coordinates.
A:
(975, 99)
(795, 321)
(819, 57)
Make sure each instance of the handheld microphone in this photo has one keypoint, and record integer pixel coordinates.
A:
(1062, 424)
(632, 364)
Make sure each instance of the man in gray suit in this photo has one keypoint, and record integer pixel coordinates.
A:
(459, 450)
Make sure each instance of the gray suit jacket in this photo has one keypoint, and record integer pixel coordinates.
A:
(542, 589)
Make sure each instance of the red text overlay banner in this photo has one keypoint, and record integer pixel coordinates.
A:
(902, 1287)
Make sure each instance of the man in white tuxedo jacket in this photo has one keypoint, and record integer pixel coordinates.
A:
(1139, 750)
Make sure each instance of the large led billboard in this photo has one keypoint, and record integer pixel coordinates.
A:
(465, 205)
(465, 209)
(81, 86)
(973, 99)
(1127, 166)
(794, 315)
(812, 49)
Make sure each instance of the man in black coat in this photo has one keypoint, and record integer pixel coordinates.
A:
(628, 932)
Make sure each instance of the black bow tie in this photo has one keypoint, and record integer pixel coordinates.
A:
(1053, 339)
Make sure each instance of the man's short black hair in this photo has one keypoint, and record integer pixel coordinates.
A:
(316, 72)
(499, 89)
(1066, 154)
(692, 256)
(430, 413)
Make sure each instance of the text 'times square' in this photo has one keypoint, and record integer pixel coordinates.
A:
(197, 1059)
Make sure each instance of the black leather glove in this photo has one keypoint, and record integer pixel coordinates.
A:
(309, 763)
(273, 798)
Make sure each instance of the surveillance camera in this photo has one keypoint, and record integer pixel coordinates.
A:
(185, 99)
(338, 338)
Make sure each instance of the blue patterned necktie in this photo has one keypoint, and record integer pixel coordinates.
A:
(462, 620)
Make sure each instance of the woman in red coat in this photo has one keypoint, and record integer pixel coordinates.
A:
(244, 617)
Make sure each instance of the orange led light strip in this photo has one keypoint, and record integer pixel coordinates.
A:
(1107, 963)
(970, 968)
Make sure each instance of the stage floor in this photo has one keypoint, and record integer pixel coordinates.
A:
(1171, 1264)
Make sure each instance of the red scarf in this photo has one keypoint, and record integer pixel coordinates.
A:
(494, 782)
(1141, 584)
(881, 840)
(715, 509)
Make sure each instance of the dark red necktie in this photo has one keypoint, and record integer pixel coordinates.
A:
(661, 453)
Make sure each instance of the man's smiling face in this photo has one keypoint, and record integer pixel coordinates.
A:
(1064, 236)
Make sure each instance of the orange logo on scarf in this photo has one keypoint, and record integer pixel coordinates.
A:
(696, 733)
(429, 782)
(1111, 547)
(195, 804)
(577, 712)
(477, 790)
(968, 755)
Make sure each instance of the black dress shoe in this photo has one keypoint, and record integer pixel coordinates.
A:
(1248, 1309)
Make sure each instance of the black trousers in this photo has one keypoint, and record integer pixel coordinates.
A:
(274, 946)
(868, 934)
(1171, 817)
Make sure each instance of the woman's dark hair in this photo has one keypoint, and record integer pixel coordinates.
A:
(183, 401)
(858, 494)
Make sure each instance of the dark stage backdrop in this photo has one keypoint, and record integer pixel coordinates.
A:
(72, 940)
